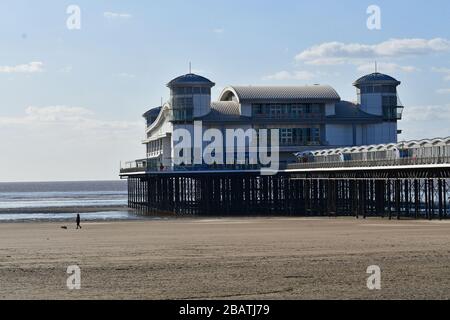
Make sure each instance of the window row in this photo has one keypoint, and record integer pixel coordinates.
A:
(287, 110)
(297, 136)
(191, 90)
(154, 146)
(378, 89)
(183, 109)
(390, 101)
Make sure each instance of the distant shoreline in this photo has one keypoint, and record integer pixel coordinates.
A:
(77, 209)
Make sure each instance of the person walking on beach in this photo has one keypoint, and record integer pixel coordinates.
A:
(78, 221)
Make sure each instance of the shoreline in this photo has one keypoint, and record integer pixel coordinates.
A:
(72, 209)
(68, 214)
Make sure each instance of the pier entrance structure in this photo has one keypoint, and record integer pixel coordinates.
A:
(405, 180)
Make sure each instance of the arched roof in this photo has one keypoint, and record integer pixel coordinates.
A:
(244, 94)
(152, 112)
(161, 117)
(382, 147)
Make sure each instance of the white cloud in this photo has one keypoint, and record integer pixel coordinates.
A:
(427, 113)
(427, 121)
(337, 52)
(219, 30)
(66, 69)
(32, 67)
(445, 71)
(286, 75)
(443, 91)
(66, 143)
(77, 118)
(126, 75)
(386, 67)
(116, 15)
(57, 113)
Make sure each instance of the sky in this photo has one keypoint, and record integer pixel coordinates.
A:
(72, 99)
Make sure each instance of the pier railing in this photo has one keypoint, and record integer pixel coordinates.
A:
(371, 163)
(138, 167)
(141, 166)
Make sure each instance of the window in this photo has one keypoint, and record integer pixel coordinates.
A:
(389, 107)
(257, 109)
(286, 136)
(297, 136)
(389, 89)
(183, 109)
(275, 110)
(297, 110)
(315, 108)
(315, 135)
(178, 90)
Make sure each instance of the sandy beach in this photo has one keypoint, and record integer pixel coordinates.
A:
(261, 258)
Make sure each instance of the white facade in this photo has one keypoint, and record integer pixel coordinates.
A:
(310, 117)
(339, 134)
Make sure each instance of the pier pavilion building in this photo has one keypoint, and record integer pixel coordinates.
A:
(307, 117)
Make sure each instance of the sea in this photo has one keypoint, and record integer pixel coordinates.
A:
(61, 201)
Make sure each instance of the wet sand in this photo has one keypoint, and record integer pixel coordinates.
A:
(227, 259)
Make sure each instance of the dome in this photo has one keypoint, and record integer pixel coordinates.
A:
(376, 78)
(190, 79)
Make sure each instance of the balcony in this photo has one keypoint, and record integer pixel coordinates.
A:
(154, 154)
(400, 109)
(133, 166)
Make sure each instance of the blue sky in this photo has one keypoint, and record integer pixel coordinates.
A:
(71, 100)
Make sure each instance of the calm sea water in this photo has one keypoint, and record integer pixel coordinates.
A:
(60, 200)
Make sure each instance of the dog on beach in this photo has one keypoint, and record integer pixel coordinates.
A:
(64, 227)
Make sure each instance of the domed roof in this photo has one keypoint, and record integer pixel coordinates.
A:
(376, 77)
(190, 79)
(154, 112)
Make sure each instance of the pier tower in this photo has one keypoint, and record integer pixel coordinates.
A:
(377, 95)
(190, 97)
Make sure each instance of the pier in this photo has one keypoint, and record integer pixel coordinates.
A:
(394, 189)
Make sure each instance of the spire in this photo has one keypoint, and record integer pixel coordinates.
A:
(190, 67)
(376, 67)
